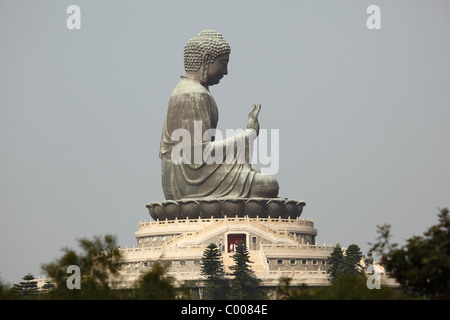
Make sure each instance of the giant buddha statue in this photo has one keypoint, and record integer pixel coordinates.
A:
(192, 109)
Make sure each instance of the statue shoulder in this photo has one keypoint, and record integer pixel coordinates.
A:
(188, 86)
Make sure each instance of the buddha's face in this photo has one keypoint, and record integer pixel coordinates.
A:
(218, 68)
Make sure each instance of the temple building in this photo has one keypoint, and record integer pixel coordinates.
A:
(279, 242)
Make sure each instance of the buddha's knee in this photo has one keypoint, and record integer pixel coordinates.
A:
(264, 186)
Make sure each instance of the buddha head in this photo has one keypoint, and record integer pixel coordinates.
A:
(206, 57)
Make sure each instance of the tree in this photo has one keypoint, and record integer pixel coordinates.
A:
(212, 265)
(212, 268)
(155, 284)
(348, 264)
(423, 264)
(352, 260)
(27, 288)
(245, 286)
(48, 286)
(336, 262)
(6, 292)
(383, 245)
(98, 262)
(345, 287)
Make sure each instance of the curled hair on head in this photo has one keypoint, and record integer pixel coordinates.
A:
(206, 41)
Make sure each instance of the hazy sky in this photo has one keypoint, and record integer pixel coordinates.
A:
(363, 115)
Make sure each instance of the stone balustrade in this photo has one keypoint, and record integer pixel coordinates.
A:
(204, 221)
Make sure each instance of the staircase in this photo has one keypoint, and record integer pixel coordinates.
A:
(217, 227)
(258, 265)
(227, 261)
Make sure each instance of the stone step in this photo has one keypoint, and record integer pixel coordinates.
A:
(257, 265)
(227, 261)
(217, 227)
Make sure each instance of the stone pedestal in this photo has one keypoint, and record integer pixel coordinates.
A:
(279, 243)
(226, 207)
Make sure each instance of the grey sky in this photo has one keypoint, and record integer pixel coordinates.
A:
(363, 114)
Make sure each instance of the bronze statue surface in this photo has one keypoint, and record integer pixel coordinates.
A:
(197, 167)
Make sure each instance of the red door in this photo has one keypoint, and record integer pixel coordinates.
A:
(233, 240)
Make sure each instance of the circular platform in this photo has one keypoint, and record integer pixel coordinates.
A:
(221, 207)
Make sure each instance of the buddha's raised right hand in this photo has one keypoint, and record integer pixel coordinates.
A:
(253, 122)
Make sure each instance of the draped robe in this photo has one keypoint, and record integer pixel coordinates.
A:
(192, 103)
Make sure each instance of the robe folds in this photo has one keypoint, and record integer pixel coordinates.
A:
(193, 109)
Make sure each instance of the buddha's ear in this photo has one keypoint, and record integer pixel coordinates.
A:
(206, 59)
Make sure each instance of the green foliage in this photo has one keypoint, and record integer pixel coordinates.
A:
(7, 293)
(244, 285)
(48, 285)
(212, 265)
(99, 263)
(348, 264)
(212, 268)
(99, 260)
(384, 244)
(352, 260)
(27, 288)
(155, 284)
(423, 264)
(345, 287)
(336, 262)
